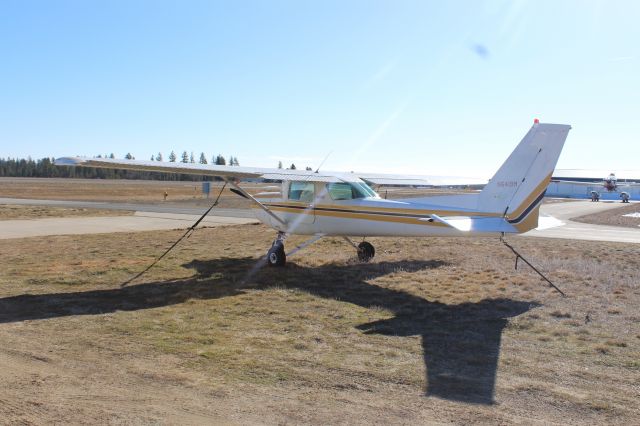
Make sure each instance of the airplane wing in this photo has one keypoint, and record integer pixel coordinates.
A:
(243, 173)
(233, 172)
(418, 180)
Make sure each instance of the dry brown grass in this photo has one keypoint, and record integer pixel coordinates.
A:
(8, 212)
(614, 217)
(435, 330)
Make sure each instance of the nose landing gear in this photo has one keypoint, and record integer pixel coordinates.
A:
(366, 251)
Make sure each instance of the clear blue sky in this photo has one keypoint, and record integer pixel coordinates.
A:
(446, 87)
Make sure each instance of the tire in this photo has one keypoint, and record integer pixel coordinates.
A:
(366, 251)
(276, 255)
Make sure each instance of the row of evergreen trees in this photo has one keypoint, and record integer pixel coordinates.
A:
(13, 167)
(186, 158)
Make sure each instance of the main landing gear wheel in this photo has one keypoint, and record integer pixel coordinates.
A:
(276, 255)
(366, 251)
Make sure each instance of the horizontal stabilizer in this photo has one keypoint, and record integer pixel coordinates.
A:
(473, 224)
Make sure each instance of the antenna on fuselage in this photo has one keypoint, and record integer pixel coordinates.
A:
(323, 161)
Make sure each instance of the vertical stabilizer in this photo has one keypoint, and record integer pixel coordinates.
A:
(517, 188)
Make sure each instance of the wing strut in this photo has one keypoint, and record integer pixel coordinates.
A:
(245, 194)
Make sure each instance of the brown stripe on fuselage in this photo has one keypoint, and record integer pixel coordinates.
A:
(542, 186)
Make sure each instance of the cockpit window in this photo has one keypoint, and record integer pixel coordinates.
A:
(350, 191)
(301, 191)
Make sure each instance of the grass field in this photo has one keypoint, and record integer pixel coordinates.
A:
(10, 212)
(614, 217)
(434, 330)
(147, 191)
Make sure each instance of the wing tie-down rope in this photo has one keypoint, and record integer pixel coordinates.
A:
(185, 235)
(519, 256)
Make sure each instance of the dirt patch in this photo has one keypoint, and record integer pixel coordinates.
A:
(434, 330)
(10, 212)
(614, 217)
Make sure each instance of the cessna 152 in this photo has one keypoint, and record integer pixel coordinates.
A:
(343, 204)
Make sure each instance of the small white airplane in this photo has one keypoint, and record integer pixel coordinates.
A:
(609, 184)
(343, 204)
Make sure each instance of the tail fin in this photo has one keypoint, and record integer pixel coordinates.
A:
(518, 186)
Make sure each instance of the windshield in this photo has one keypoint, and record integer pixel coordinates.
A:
(350, 191)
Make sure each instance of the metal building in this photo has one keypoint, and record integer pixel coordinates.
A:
(579, 183)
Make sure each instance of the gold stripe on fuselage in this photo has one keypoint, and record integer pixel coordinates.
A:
(373, 210)
(360, 215)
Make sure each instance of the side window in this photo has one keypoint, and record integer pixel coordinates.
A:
(340, 191)
(301, 191)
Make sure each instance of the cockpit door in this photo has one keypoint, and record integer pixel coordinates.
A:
(301, 198)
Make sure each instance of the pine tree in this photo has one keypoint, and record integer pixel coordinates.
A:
(279, 164)
(293, 166)
(172, 157)
(112, 156)
(129, 156)
(220, 161)
(159, 157)
(309, 169)
(203, 158)
(152, 157)
(191, 159)
(185, 157)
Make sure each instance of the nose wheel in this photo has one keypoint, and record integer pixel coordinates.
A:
(366, 251)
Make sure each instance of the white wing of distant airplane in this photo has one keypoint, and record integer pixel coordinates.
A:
(243, 173)
(600, 182)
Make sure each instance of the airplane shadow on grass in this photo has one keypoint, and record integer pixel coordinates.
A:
(461, 343)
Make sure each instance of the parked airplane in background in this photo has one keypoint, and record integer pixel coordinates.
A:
(608, 184)
(343, 204)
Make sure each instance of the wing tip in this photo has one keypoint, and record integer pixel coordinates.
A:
(69, 161)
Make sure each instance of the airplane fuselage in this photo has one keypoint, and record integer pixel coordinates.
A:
(366, 217)
(322, 213)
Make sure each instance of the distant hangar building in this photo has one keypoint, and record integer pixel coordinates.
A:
(579, 183)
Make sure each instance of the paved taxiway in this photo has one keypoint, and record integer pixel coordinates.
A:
(147, 217)
(139, 221)
(163, 216)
